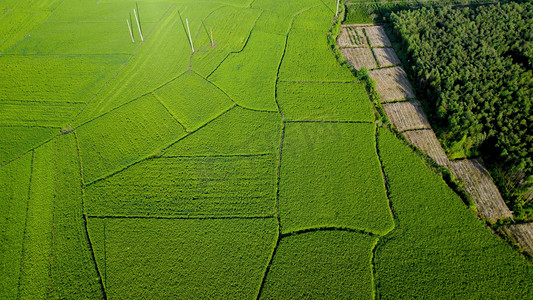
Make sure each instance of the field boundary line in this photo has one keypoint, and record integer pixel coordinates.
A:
(151, 156)
(385, 181)
(52, 231)
(326, 121)
(218, 155)
(375, 282)
(30, 126)
(85, 223)
(25, 224)
(122, 66)
(41, 101)
(278, 239)
(327, 7)
(169, 112)
(331, 228)
(199, 217)
(32, 149)
(318, 81)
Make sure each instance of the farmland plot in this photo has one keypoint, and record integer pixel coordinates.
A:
(522, 234)
(407, 115)
(377, 36)
(338, 267)
(238, 131)
(392, 84)
(238, 75)
(331, 177)
(386, 57)
(352, 36)
(288, 8)
(192, 100)
(439, 245)
(125, 136)
(360, 57)
(427, 142)
(14, 186)
(274, 22)
(479, 185)
(330, 102)
(18, 140)
(188, 187)
(16, 24)
(28, 113)
(194, 259)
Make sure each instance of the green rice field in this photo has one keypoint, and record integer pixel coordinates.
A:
(254, 167)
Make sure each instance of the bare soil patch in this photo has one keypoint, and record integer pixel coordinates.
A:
(392, 84)
(427, 142)
(386, 57)
(377, 36)
(351, 36)
(407, 115)
(522, 234)
(360, 57)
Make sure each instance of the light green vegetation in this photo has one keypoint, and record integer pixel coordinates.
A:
(29, 113)
(191, 259)
(439, 249)
(14, 186)
(239, 131)
(192, 100)
(330, 102)
(19, 140)
(360, 12)
(289, 8)
(35, 263)
(331, 177)
(321, 265)
(124, 136)
(15, 24)
(188, 187)
(273, 22)
(240, 69)
(228, 36)
(308, 56)
(54, 78)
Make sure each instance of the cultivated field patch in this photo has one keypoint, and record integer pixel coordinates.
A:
(29, 113)
(240, 69)
(338, 267)
(386, 57)
(125, 136)
(189, 187)
(18, 140)
(438, 240)
(427, 142)
(478, 183)
(360, 57)
(324, 101)
(192, 100)
(331, 177)
(377, 36)
(406, 115)
(351, 36)
(15, 24)
(392, 84)
(522, 234)
(160, 258)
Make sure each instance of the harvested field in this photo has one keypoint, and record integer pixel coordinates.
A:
(407, 115)
(351, 36)
(427, 142)
(377, 36)
(386, 57)
(522, 234)
(479, 185)
(392, 84)
(360, 57)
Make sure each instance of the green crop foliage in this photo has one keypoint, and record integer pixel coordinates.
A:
(331, 177)
(238, 75)
(308, 56)
(28, 113)
(14, 186)
(231, 27)
(288, 8)
(18, 140)
(330, 102)
(15, 25)
(238, 131)
(35, 263)
(189, 186)
(274, 22)
(53, 78)
(73, 272)
(192, 259)
(192, 100)
(125, 136)
(440, 250)
(339, 266)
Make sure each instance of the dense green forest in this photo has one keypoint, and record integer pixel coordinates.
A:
(474, 67)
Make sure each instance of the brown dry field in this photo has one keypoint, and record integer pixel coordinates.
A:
(479, 185)
(522, 234)
(377, 36)
(392, 84)
(427, 142)
(359, 57)
(407, 115)
(351, 36)
(386, 57)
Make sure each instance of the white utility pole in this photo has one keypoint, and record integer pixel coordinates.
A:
(212, 41)
(190, 39)
(131, 33)
(337, 12)
(138, 24)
